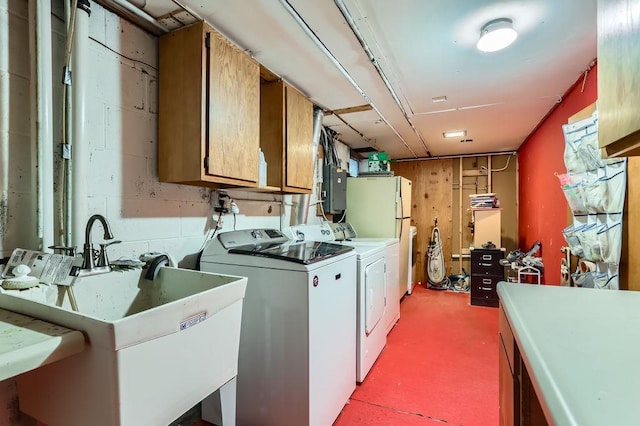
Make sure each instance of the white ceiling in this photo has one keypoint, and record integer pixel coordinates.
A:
(425, 49)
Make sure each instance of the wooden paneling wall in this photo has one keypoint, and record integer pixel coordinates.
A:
(436, 193)
(431, 198)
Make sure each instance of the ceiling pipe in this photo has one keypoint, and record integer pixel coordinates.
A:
(42, 111)
(445, 157)
(80, 149)
(354, 28)
(136, 14)
(312, 35)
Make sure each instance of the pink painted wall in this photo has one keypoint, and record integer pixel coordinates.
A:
(543, 208)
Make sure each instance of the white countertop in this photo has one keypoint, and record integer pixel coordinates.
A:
(581, 348)
(27, 343)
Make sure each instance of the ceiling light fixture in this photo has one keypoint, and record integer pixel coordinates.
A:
(455, 134)
(439, 99)
(496, 35)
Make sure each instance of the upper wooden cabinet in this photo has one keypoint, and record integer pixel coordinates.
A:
(209, 110)
(286, 137)
(619, 77)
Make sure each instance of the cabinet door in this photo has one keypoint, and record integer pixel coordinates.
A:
(619, 76)
(299, 140)
(233, 112)
(506, 386)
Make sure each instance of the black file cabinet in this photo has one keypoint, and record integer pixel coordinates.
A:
(486, 271)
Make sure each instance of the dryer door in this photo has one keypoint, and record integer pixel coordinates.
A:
(374, 288)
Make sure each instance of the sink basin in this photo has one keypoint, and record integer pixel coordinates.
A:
(154, 348)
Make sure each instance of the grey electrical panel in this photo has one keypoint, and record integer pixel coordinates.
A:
(334, 189)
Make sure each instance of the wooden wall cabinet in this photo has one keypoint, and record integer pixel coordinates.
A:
(209, 110)
(286, 137)
(619, 77)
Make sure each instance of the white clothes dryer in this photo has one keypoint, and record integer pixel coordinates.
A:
(371, 306)
(345, 233)
(297, 337)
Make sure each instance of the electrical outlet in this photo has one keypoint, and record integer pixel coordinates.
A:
(223, 201)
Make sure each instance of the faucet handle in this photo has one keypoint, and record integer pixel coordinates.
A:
(103, 260)
(69, 251)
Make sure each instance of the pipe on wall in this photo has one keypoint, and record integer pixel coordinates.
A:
(4, 144)
(42, 111)
(66, 194)
(135, 11)
(303, 200)
(454, 156)
(80, 148)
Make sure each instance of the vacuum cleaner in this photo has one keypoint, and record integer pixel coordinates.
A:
(436, 268)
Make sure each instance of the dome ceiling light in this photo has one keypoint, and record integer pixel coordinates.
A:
(496, 35)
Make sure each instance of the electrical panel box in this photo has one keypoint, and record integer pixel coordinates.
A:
(334, 189)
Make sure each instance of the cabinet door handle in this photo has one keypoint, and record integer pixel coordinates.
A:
(486, 257)
(486, 281)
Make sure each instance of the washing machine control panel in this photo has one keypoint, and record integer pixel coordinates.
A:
(349, 231)
(343, 231)
(245, 237)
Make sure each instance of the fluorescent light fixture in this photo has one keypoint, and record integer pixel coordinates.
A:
(439, 99)
(496, 35)
(455, 134)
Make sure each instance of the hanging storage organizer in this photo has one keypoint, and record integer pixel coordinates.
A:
(595, 191)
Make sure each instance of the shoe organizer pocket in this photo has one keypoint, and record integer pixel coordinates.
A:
(573, 241)
(610, 241)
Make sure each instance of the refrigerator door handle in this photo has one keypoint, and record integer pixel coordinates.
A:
(401, 203)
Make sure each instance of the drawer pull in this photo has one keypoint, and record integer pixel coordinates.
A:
(486, 257)
(486, 264)
(486, 281)
(486, 288)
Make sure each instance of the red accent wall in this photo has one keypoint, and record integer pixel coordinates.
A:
(543, 208)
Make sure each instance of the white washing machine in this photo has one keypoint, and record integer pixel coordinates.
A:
(371, 306)
(297, 338)
(344, 232)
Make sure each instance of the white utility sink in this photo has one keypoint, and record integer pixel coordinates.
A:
(154, 348)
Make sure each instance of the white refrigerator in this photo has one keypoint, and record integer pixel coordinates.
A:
(380, 206)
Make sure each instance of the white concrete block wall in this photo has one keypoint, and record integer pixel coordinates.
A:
(122, 136)
(16, 172)
(145, 214)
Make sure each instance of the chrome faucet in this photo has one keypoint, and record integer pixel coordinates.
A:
(89, 264)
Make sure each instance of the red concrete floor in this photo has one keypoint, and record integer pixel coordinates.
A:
(440, 365)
